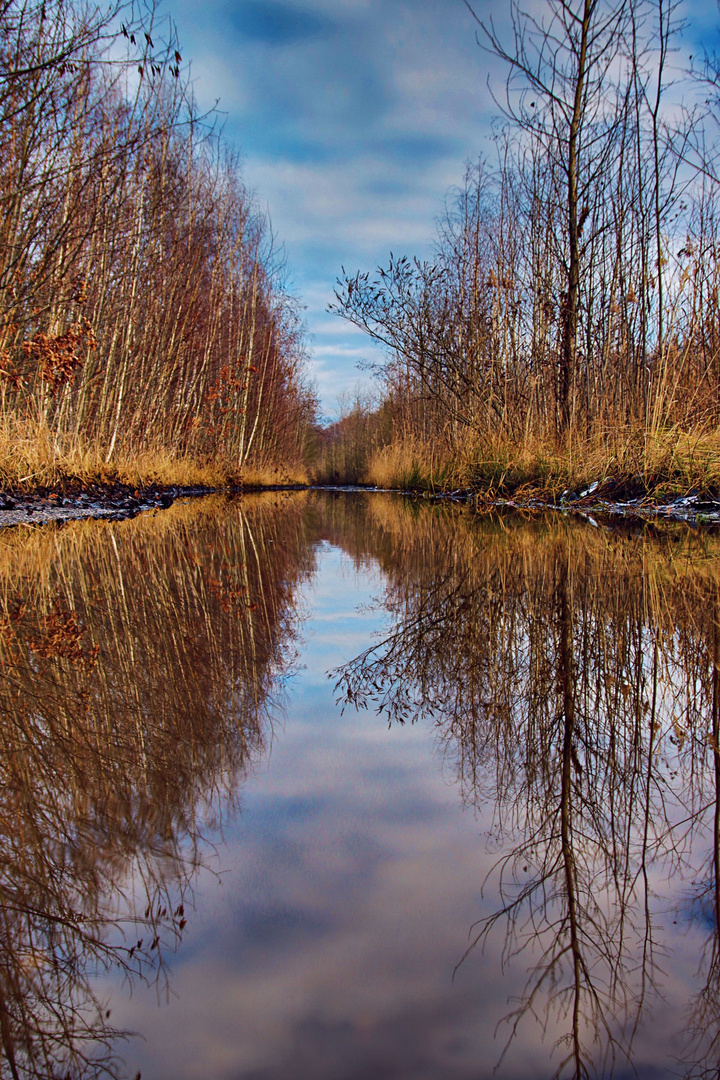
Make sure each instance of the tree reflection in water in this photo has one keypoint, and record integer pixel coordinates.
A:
(137, 663)
(573, 674)
(574, 677)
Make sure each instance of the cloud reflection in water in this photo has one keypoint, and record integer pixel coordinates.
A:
(569, 673)
(352, 879)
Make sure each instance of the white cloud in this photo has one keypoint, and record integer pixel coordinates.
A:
(352, 135)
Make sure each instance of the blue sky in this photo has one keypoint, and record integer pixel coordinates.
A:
(354, 118)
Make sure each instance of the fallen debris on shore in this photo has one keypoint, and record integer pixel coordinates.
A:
(111, 502)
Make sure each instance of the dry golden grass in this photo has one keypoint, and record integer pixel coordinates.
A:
(32, 456)
(667, 461)
(411, 464)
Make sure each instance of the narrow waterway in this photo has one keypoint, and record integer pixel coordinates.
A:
(336, 786)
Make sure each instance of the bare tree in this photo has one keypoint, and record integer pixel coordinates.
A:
(560, 92)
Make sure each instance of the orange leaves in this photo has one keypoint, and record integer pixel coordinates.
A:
(80, 295)
(231, 596)
(224, 392)
(9, 372)
(58, 636)
(58, 357)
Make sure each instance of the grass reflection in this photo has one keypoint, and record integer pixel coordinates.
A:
(574, 677)
(137, 661)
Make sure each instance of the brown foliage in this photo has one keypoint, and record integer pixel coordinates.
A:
(141, 300)
(58, 358)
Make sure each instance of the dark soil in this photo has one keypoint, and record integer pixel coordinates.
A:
(632, 500)
(109, 501)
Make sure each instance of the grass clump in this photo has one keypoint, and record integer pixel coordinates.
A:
(33, 457)
(629, 461)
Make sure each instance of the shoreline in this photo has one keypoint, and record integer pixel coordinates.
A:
(693, 509)
(117, 501)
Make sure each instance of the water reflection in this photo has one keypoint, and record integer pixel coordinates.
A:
(573, 676)
(137, 661)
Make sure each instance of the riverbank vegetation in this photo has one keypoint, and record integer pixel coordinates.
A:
(145, 333)
(566, 328)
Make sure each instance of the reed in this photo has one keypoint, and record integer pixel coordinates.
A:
(664, 462)
(33, 455)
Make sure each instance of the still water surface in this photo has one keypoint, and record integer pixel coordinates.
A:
(336, 787)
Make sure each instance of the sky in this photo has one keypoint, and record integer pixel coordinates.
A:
(353, 118)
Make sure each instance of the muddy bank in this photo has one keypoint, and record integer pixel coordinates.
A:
(110, 502)
(606, 499)
(633, 499)
(118, 501)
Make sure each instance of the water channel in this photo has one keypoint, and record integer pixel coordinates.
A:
(339, 786)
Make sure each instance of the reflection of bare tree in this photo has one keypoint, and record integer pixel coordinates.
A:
(704, 1020)
(572, 675)
(136, 661)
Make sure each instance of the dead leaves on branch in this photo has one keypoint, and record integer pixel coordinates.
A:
(58, 357)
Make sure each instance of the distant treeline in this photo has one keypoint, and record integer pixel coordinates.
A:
(572, 301)
(141, 297)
